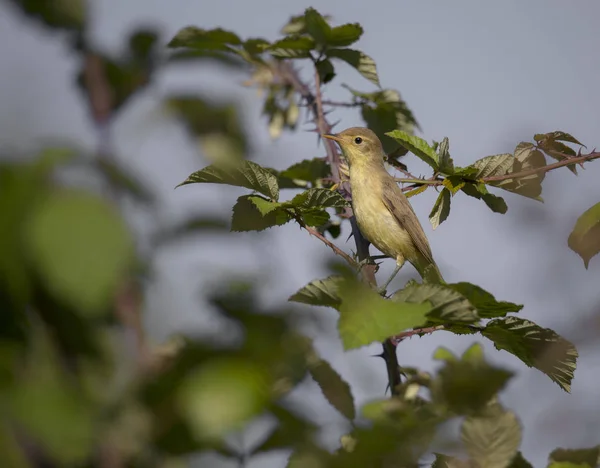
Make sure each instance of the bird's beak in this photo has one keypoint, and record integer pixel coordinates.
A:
(330, 136)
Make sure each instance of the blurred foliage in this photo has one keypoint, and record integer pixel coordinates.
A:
(82, 386)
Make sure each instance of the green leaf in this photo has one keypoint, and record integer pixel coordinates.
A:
(316, 26)
(309, 170)
(263, 205)
(446, 163)
(490, 166)
(446, 461)
(314, 216)
(493, 440)
(345, 35)
(364, 64)
(323, 292)
(326, 70)
(454, 183)
(578, 457)
(318, 197)
(467, 385)
(584, 240)
(122, 180)
(537, 347)
(519, 462)
(417, 146)
(245, 174)
(205, 39)
(484, 302)
(61, 14)
(441, 208)
(559, 136)
(334, 388)
(558, 151)
(292, 47)
(248, 215)
(448, 304)
(366, 317)
(81, 248)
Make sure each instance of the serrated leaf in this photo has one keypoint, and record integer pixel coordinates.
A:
(318, 197)
(446, 163)
(323, 292)
(537, 347)
(484, 302)
(263, 205)
(417, 146)
(578, 457)
(479, 191)
(416, 191)
(466, 386)
(292, 47)
(344, 35)
(366, 317)
(448, 304)
(314, 216)
(364, 64)
(441, 208)
(558, 151)
(245, 174)
(316, 26)
(492, 441)
(248, 217)
(309, 170)
(326, 70)
(454, 183)
(584, 240)
(559, 136)
(334, 388)
(205, 39)
(496, 165)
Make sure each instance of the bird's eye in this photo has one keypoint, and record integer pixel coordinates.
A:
(358, 140)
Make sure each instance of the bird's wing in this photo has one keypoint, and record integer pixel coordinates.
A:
(397, 204)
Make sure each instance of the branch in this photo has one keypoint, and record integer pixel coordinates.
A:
(334, 247)
(417, 331)
(341, 104)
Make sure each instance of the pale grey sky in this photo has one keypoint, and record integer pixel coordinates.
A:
(485, 74)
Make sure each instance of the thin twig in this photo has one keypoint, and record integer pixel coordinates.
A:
(416, 331)
(341, 104)
(330, 244)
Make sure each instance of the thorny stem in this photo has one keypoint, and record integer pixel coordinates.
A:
(315, 103)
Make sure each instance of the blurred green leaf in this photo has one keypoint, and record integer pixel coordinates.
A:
(320, 292)
(217, 126)
(366, 317)
(584, 240)
(334, 388)
(537, 347)
(122, 180)
(222, 394)
(448, 304)
(81, 248)
(484, 302)
(364, 64)
(292, 47)
(467, 385)
(492, 440)
(345, 35)
(316, 26)
(245, 174)
(576, 457)
(519, 462)
(417, 146)
(205, 39)
(291, 431)
(191, 227)
(446, 461)
(441, 208)
(326, 70)
(247, 216)
(61, 14)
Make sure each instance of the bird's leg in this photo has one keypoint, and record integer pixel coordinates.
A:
(399, 263)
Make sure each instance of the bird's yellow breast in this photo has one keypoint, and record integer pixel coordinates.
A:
(375, 221)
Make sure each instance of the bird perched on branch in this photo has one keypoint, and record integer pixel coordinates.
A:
(382, 211)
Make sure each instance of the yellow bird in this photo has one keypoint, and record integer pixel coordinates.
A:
(382, 211)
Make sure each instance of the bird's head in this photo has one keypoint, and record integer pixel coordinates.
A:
(359, 145)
